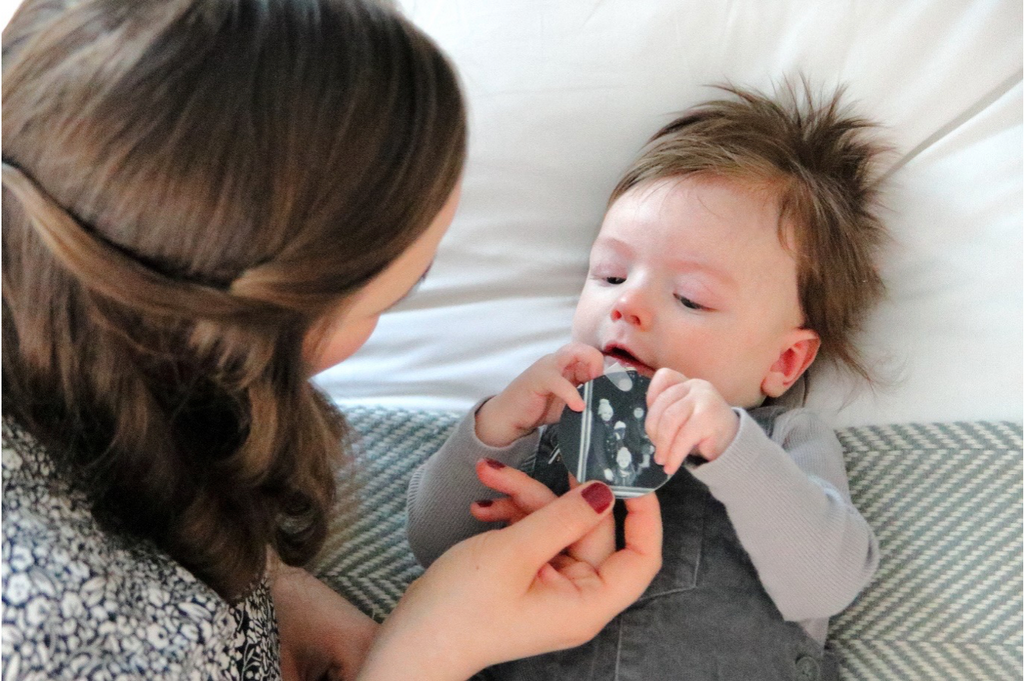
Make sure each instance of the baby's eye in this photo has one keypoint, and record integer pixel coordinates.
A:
(687, 303)
(615, 280)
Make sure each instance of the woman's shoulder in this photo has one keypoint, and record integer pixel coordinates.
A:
(80, 601)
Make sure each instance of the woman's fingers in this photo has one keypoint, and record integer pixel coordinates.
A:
(456, 609)
(643, 523)
(543, 534)
(623, 576)
(528, 494)
(497, 511)
(627, 572)
(525, 496)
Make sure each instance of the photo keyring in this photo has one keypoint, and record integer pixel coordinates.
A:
(607, 441)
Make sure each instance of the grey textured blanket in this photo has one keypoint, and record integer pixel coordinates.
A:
(945, 501)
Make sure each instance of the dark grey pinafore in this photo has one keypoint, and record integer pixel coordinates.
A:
(705, 617)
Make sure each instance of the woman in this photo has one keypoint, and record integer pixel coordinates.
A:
(205, 202)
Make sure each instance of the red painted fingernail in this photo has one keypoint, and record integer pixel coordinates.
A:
(484, 503)
(494, 463)
(599, 496)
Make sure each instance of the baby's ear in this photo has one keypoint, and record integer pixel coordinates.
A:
(800, 350)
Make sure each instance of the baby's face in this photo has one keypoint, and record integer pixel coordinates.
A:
(689, 273)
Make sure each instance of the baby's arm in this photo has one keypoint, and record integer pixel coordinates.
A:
(442, 489)
(788, 498)
(787, 495)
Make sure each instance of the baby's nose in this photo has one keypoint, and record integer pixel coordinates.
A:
(632, 308)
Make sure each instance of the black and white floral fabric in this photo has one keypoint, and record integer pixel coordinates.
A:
(81, 603)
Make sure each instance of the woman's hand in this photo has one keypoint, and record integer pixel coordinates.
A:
(538, 395)
(526, 495)
(512, 593)
(323, 636)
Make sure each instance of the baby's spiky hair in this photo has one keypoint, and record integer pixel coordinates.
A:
(821, 162)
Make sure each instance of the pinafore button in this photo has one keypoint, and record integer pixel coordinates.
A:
(807, 669)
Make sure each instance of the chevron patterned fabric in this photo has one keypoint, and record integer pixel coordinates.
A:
(366, 557)
(945, 501)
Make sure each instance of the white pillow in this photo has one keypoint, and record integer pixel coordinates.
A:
(563, 94)
(7, 8)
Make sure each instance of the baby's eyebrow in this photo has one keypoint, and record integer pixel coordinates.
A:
(682, 265)
(614, 244)
(688, 265)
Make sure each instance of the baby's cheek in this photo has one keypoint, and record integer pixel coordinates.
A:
(584, 328)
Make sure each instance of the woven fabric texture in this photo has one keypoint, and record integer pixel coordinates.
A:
(944, 499)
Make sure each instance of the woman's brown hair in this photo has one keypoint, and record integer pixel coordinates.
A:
(190, 188)
(822, 163)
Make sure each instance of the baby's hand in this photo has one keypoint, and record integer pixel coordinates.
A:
(686, 414)
(538, 395)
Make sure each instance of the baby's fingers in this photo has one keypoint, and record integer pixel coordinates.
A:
(667, 414)
(579, 363)
(567, 392)
(662, 380)
(667, 387)
(677, 435)
(685, 441)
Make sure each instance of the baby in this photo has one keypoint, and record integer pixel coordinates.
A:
(738, 248)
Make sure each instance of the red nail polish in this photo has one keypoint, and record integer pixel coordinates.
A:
(484, 503)
(494, 463)
(599, 496)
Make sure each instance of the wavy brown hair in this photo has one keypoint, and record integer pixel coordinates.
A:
(821, 161)
(190, 189)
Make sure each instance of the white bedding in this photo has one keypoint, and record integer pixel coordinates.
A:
(563, 94)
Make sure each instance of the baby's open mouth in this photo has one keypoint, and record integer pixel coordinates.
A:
(627, 359)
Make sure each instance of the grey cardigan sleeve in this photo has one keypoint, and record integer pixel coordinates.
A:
(788, 498)
(442, 489)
